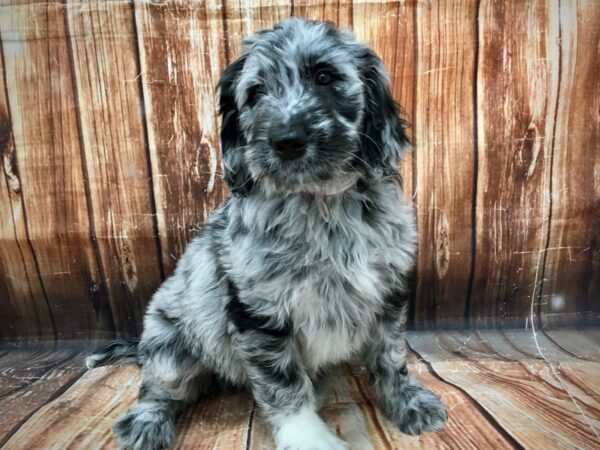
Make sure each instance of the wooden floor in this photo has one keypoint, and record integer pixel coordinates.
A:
(499, 391)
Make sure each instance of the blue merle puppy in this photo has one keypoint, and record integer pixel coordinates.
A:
(305, 265)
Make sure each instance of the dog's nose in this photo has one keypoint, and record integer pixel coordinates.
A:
(289, 145)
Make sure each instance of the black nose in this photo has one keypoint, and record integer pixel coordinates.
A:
(289, 145)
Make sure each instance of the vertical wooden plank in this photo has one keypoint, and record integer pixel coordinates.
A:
(339, 12)
(517, 80)
(571, 286)
(24, 311)
(49, 166)
(103, 46)
(243, 19)
(182, 54)
(445, 136)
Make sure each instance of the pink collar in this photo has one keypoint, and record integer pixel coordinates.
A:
(321, 196)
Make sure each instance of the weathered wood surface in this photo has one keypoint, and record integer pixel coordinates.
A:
(541, 403)
(572, 264)
(46, 179)
(446, 44)
(31, 378)
(182, 53)
(110, 152)
(499, 391)
(516, 101)
(103, 49)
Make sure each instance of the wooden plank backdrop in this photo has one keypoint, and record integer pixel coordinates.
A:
(110, 152)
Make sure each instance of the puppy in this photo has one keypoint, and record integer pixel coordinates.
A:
(305, 265)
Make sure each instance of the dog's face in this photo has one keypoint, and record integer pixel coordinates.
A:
(303, 106)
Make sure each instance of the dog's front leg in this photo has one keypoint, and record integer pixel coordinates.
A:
(283, 390)
(413, 408)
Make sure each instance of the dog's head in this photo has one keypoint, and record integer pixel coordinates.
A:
(306, 104)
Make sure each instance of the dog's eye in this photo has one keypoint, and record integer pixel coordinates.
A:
(323, 77)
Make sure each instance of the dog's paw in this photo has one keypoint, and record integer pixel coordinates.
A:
(306, 431)
(423, 411)
(144, 428)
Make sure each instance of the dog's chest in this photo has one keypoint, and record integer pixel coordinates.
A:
(329, 280)
(330, 330)
(339, 299)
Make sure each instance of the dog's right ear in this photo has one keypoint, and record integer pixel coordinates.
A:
(236, 174)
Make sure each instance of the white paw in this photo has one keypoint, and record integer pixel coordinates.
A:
(306, 431)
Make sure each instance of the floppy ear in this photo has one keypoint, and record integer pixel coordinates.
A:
(236, 174)
(383, 136)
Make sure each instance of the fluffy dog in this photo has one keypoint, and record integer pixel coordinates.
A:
(305, 265)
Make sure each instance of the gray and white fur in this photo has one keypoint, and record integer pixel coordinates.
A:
(305, 266)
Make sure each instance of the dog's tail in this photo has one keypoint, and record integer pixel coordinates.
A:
(124, 350)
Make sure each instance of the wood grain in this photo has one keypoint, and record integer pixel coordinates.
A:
(499, 394)
(182, 53)
(24, 307)
(103, 48)
(84, 414)
(340, 12)
(505, 345)
(445, 137)
(538, 404)
(219, 422)
(242, 19)
(110, 152)
(31, 378)
(46, 171)
(571, 283)
(585, 346)
(82, 417)
(517, 87)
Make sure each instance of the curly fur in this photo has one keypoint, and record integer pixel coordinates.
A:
(271, 294)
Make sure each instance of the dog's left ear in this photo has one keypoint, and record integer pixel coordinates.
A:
(236, 173)
(383, 138)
